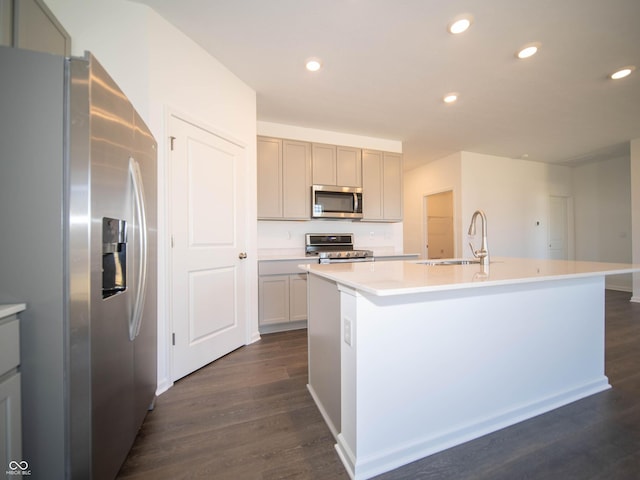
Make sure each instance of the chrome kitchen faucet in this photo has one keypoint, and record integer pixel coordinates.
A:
(483, 253)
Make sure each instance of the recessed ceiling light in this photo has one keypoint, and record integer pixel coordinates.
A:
(460, 24)
(623, 72)
(529, 50)
(451, 97)
(313, 65)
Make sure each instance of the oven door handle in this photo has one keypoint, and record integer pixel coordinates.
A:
(356, 203)
(325, 261)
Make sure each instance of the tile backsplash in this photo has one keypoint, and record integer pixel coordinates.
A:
(289, 236)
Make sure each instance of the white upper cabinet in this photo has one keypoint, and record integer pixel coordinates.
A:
(371, 185)
(349, 166)
(381, 186)
(284, 179)
(336, 165)
(269, 178)
(392, 186)
(324, 164)
(296, 180)
(29, 24)
(288, 168)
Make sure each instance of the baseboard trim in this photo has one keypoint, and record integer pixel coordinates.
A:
(323, 412)
(384, 461)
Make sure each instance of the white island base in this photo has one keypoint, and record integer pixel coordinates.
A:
(422, 372)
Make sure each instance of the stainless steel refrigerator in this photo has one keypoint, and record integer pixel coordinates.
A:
(78, 245)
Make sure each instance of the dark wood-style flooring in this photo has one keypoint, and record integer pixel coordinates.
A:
(249, 416)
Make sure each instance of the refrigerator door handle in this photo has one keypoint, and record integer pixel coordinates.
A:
(135, 321)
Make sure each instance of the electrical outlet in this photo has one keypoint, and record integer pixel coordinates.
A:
(347, 331)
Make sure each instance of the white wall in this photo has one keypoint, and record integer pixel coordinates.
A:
(163, 71)
(292, 132)
(434, 177)
(635, 209)
(602, 192)
(514, 194)
(288, 236)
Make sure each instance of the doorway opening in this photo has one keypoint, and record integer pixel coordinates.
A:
(439, 225)
(558, 240)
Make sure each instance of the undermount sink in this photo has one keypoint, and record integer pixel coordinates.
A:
(450, 261)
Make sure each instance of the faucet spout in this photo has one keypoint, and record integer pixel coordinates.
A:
(483, 252)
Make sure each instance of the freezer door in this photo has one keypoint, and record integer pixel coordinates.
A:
(146, 343)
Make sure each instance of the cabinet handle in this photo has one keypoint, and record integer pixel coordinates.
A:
(242, 255)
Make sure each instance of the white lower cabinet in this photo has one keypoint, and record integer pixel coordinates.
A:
(282, 295)
(298, 297)
(10, 421)
(274, 299)
(10, 409)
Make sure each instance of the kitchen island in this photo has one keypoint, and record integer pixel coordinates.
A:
(407, 359)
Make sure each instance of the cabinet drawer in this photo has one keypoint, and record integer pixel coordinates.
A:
(9, 345)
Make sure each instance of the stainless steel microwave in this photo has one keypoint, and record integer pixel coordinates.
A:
(329, 201)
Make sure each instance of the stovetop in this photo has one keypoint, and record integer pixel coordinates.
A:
(343, 254)
(333, 246)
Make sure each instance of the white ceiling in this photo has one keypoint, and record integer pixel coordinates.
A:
(387, 64)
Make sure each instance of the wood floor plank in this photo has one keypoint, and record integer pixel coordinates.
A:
(249, 416)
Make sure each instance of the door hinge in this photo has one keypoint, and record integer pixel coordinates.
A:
(173, 339)
(172, 241)
(172, 139)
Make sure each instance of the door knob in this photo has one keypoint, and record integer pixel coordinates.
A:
(242, 255)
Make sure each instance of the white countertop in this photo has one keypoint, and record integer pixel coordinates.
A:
(11, 308)
(405, 277)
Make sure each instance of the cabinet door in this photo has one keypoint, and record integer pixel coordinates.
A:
(323, 159)
(298, 297)
(392, 187)
(348, 167)
(269, 178)
(6, 23)
(296, 179)
(36, 28)
(371, 185)
(10, 421)
(273, 299)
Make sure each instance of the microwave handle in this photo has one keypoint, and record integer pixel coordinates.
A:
(355, 202)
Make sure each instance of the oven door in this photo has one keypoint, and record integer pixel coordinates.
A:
(329, 201)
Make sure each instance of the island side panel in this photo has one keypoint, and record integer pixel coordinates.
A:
(323, 324)
(435, 370)
(347, 439)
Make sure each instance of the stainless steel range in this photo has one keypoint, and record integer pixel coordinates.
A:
(335, 248)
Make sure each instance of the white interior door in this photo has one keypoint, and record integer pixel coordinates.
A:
(558, 231)
(208, 241)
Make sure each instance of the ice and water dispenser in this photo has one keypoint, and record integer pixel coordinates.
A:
(114, 256)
